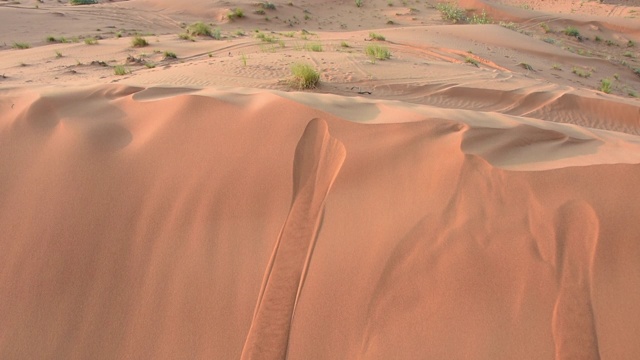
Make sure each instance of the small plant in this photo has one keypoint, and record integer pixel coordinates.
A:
(236, 13)
(572, 31)
(91, 41)
(526, 66)
(260, 12)
(58, 54)
(289, 34)
(581, 72)
(82, 2)
(266, 38)
(119, 34)
(344, 44)
(472, 61)
(21, 45)
(378, 37)
(120, 70)
(358, 3)
(304, 76)
(636, 71)
(628, 54)
(316, 47)
(268, 5)
(243, 57)
(556, 67)
(631, 43)
(508, 25)
(549, 40)
(483, 18)
(199, 29)
(610, 43)
(452, 12)
(545, 27)
(389, 3)
(605, 86)
(307, 17)
(170, 55)
(185, 36)
(598, 38)
(377, 52)
(149, 65)
(632, 93)
(240, 33)
(139, 41)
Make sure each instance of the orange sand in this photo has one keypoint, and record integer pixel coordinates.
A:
(415, 208)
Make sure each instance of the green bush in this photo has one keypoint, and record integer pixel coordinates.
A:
(120, 70)
(377, 52)
(199, 29)
(572, 31)
(605, 86)
(374, 36)
(139, 41)
(452, 12)
(235, 14)
(304, 76)
(21, 45)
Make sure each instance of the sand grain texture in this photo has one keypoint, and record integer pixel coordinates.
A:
(472, 197)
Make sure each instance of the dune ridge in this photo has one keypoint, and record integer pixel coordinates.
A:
(174, 201)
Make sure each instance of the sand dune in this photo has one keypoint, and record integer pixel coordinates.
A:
(469, 198)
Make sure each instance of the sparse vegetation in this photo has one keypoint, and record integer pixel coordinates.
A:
(266, 38)
(605, 86)
(545, 27)
(556, 67)
(21, 45)
(451, 12)
(481, 18)
(344, 44)
(268, 5)
(581, 72)
(316, 47)
(149, 65)
(139, 41)
(304, 76)
(83, 2)
(170, 55)
(199, 29)
(572, 31)
(58, 54)
(526, 66)
(185, 36)
(472, 61)
(236, 13)
(378, 37)
(243, 57)
(120, 70)
(508, 25)
(377, 52)
(359, 3)
(91, 41)
(631, 43)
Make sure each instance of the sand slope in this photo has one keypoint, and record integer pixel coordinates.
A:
(141, 223)
(472, 197)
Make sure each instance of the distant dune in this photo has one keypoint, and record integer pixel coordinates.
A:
(471, 197)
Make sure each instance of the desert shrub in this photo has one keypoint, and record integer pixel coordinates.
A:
(235, 14)
(91, 41)
(572, 31)
(199, 29)
(452, 12)
(472, 61)
(377, 52)
(344, 44)
(526, 66)
(304, 76)
(482, 18)
(21, 45)
(120, 70)
(317, 47)
(605, 86)
(374, 36)
(581, 72)
(139, 41)
(82, 2)
(359, 3)
(170, 55)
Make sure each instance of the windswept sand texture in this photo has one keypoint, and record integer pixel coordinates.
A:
(472, 197)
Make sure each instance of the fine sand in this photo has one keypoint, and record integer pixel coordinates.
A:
(472, 197)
